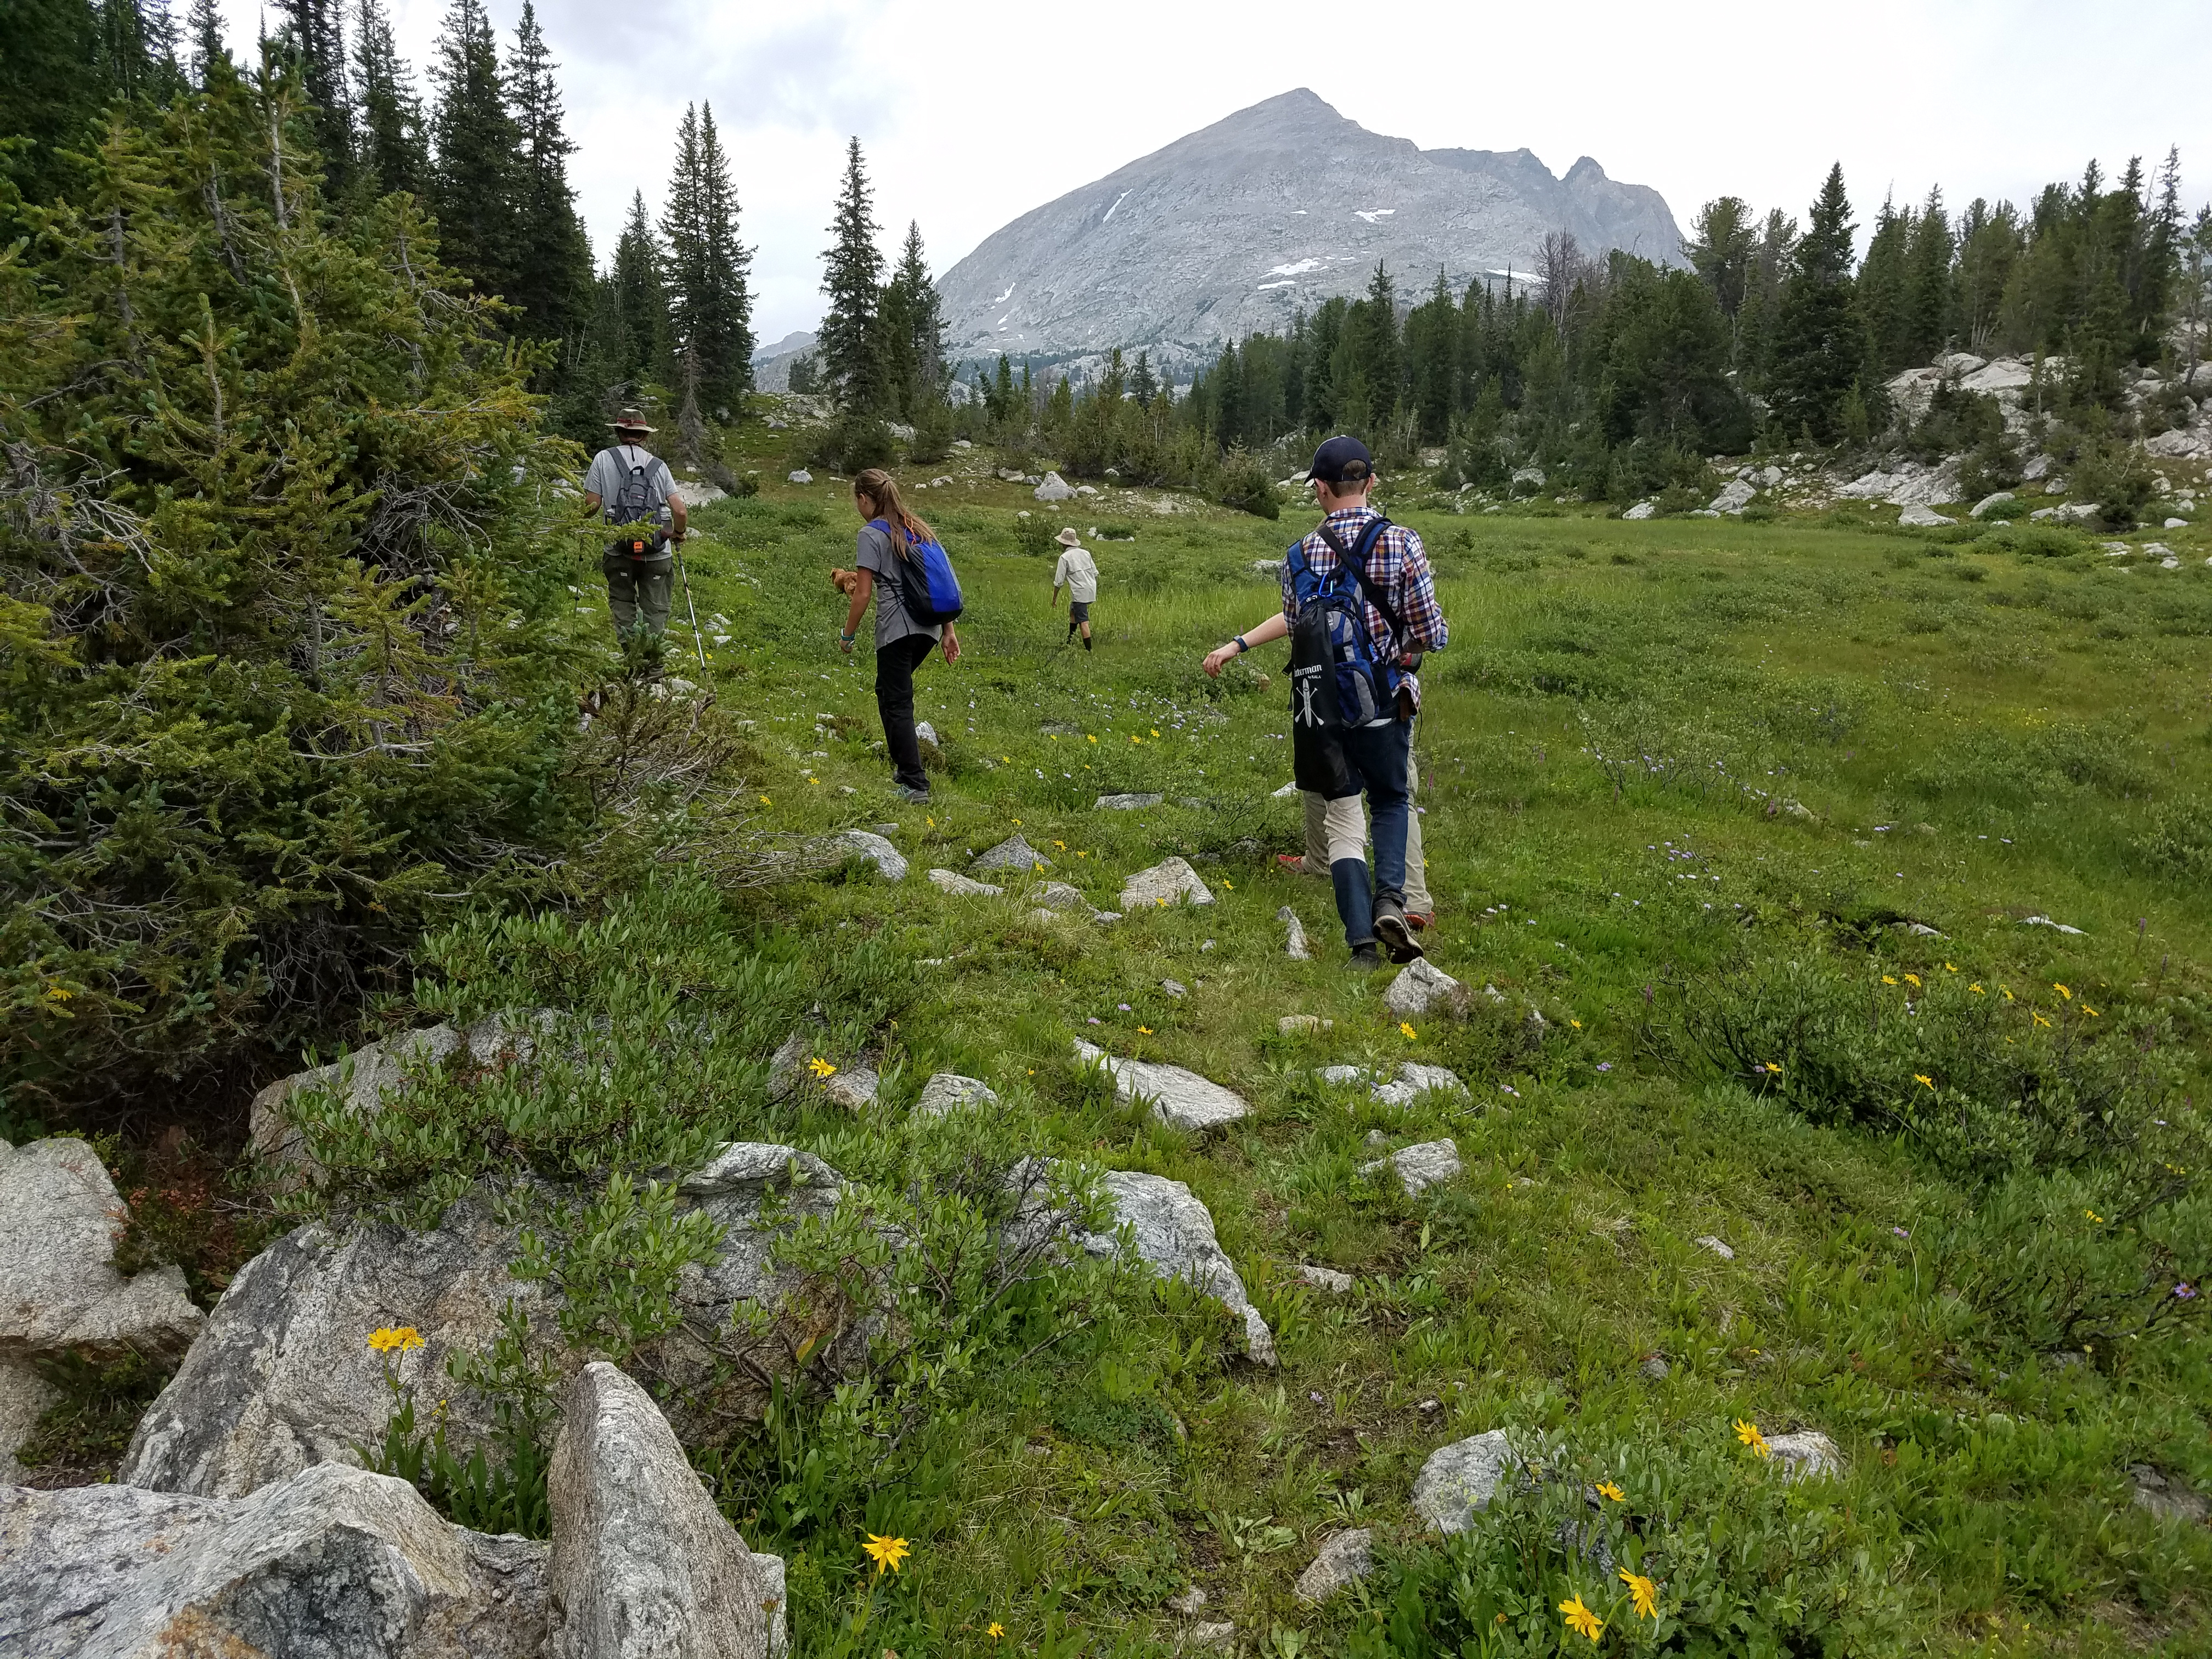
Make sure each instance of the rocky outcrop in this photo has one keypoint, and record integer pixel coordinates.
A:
(329, 1564)
(643, 1565)
(285, 1379)
(24, 1397)
(60, 1290)
(1176, 1095)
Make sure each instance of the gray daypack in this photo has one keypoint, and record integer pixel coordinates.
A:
(639, 501)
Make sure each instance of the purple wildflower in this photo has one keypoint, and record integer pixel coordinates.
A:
(1604, 1065)
(1900, 1232)
(1091, 1021)
(2186, 1292)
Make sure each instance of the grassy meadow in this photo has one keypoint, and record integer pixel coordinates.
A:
(1758, 815)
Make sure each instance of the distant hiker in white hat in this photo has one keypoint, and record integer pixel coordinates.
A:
(633, 488)
(1078, 572)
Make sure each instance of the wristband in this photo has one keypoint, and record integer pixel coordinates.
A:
(848, 638)
(1240, 646)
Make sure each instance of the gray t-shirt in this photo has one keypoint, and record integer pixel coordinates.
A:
(611, 475)
(893, 621)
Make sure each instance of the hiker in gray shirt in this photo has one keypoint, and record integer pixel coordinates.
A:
(1078, 572)
(631, 487)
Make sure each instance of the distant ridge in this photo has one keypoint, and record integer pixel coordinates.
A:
(1230, 230)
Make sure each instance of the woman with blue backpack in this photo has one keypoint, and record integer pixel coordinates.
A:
(902, 563)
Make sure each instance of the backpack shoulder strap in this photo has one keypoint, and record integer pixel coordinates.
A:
(1355, 560)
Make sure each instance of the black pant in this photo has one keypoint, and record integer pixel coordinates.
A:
(895, 667)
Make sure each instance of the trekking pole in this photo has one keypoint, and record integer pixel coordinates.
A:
(698, 640)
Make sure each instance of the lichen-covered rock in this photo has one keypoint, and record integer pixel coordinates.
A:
(948, 1091)
(1341, 1562)
(960, 887)
(1294, 945)
(1012, 853)
(890, 862)
(60, 1290)
(643, 1565)
(24, 1397)
(1172, 881)
(1806, 1454)
(1176, 1095)
(1413, 1081)
(1325, 1279)
(1173, 1233)
(1420, 1167)
(1125, 803)
(1422, 986)
(1462, 1478)
(330, 1564)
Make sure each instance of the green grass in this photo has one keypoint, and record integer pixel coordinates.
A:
(1622, 746)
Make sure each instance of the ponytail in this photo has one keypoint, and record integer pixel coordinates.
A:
(881, 490)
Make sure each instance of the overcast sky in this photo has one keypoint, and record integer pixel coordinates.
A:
(972, 111)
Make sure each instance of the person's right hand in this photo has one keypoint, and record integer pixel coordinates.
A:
(1216, 658)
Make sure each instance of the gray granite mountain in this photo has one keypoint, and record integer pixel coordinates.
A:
(1234, 228)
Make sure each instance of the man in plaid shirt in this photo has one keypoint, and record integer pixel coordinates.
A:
(1378, 752)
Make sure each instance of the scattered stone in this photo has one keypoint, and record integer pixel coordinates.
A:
(1797, 809)
(1173, 1233)
(1414, 1081)
(925, 732)
(1295, 946)
(948, 1091)
(334, 1561)
(1219, 1634)
(1420, 1167)
(2167, 1498)
(1325, 1279)
(1462, 1478)
(1303, 1024)
(943, 481)
(1655, 1368)
(1805, 1454)
(1708, 1242)
(1422, 986)
(1375, 1141)
(1983, 506)
(1189, 1603)
(1180, 1097)
(1012, 853)
(960, 887)
(1343, 1560)
(1172, 881)
(801, 477)
(1059, 895)
(1924, 516)
(1732, 498)
(643, 1565)
(1286, 792)
(889, 863)
(1040, 914)
(2076, 512)
(1175, 987)
(2046, 922)
(1641, 510)
(851, 1087)
(886, 828)
(1266, 567)
(1125, 803)
(2176, 524)
(60, 1290)
(1054, 488)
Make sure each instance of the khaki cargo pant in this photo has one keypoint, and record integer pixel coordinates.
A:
(1338, 829)
(638, 590)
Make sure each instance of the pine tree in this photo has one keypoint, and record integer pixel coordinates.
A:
(553, 269)
(1142, 385)
(853, 271)
(204, 41)
(395, 151)
(1929, 304)
(315, 36)
(1880, 291)
(913, 331)
(474, 182)
(1433, 354)
(61, 61)
(640, 299)
(709, 303)
(1821, 351)
(1720, 248)
(1988, 244)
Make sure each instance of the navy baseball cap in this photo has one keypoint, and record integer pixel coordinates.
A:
(1342, 460)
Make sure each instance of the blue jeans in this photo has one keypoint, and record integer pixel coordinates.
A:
(1379, 755)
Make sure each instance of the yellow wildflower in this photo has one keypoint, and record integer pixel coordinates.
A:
(1145, 1029)
(814, 780)
(1155, 730)
(1607, 1488)
(1644, 1591)
(821, 1067)
(1581, 1619)
(2039, 1019)
(1087, 738)
(1006, 758)
(1976, 989)
(1749, 1434)
(1406, 1030)
(1061, 845)
(395, 1339)
(2063, 991)
(2092, 1012)
(1912, 979)
(1948, 969)
(2094, 1217)
(1773, 1067)
(765, 801)
(995, 1630)
(1888, 979)
(2009, 996)
(886, 1551)
(1924, 1081)
(1576, 1023)
(58, 994)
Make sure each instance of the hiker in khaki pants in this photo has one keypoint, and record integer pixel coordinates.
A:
(1343, 821)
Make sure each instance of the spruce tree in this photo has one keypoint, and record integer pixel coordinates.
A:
(204, 41)
(1929, 304)
(913, 331)
(553, 263)
(1142, 385)
(1719, 248)
(315, 36)
(395, 151)
(710, 302)
(853, 271)
(474, 182)
(1433, 353)
(1821, 349)
(1880, 291)
(640, 299)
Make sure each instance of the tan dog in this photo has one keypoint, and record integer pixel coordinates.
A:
(845, 581)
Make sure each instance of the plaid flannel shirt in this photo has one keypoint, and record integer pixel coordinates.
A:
(1398, 566)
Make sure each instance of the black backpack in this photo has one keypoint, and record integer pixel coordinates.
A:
(1337, 682)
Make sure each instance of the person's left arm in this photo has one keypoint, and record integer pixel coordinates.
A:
(1425, 627)
(1269, 631)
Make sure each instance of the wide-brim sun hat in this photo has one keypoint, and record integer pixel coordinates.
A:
(1067, 537)
(630, 420)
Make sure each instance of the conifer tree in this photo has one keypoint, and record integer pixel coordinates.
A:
(61, 61)
(473, 183)
(315, 34)
(913, 331)
(709, 301)
(1929, 304)
(1719, 248)
(1820, 346)
(1881, 290)
(1433, 351)
(395, 151)
(640, 299)
(553, 263)
(853, 271)
(1143, 387)
(204, 41)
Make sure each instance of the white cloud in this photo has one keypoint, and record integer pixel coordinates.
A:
(973, 112)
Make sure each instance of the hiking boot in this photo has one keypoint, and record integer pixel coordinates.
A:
(912, 796)
(1397, 938)
(1420, 922)
(1365, 959)
(1293, 862)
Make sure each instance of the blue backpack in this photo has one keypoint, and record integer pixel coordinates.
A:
(1337, 682)
(928, 590)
